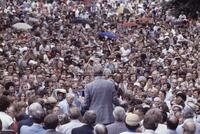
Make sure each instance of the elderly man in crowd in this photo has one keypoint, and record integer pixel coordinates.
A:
(75, 116)
(89, 119)
(189, 127)
(118, 126)
(37, 127)
(151, 120)
(51, 122)
(172, 123)
(132, 122)
(29, 121)
(100, 129)
(187, 114)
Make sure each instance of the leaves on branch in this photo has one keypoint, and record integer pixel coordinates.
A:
(191, 8)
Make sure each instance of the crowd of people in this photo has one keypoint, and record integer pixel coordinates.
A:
(103, 67)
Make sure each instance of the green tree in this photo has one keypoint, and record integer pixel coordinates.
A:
(191, 8)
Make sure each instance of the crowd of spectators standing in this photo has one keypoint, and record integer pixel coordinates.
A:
(102, 67)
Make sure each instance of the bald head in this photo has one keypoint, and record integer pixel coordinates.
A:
(100, 129)
(189, 127)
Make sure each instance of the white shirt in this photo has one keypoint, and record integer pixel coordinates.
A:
(161, 128)
(7, 121)
(64, 106)
(77, 13)
(125, 52)
(169, 96)
(130, 133)
(148, 131)
(67, 128)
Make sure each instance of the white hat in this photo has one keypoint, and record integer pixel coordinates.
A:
(51, 100)
(132, 119)
(61, 91)
(23, 49)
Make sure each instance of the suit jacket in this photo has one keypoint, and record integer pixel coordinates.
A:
(148, 131)
(100, 95)
(179, 129)
(7, 132)
(197, 127)
(52, 131)
(85, 129)
(34, 129)
(116, 128)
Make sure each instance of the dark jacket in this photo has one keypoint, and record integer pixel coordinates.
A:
(26, 122)
(85, 129)
(52, 131)
(7, 132)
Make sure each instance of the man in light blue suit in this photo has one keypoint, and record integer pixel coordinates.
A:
(100, 95)
(37, 127)
(198, 125)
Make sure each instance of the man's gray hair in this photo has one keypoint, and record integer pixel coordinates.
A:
(119, 113)
(128, 93)
(107, 72)
(34, 107)
(70, 95)
(38, 116)
(189, 126)
(98, 70)
(187, 112)
(100, 129)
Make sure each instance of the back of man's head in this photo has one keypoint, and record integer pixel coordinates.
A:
(188, 112)
(152, 118)
(38, 116)
(90, 117)
(100, 129)
(119, 113)
(172, 123)
(75, 113)
(98, 70)
(51, 121)
(189, 127)
(34, 107)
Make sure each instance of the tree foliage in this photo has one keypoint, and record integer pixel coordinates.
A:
(191, 8)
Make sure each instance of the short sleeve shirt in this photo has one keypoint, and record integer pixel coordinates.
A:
(6, 120)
